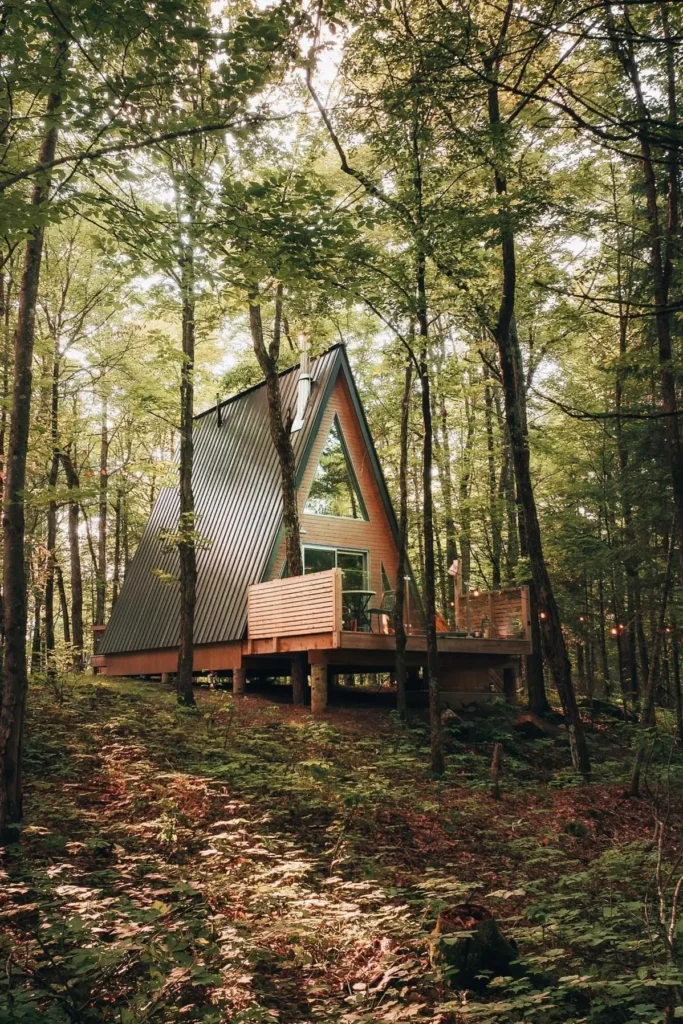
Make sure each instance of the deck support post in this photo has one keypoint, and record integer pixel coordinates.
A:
(298, 679)
(318, 688)
(510, 684)
(239, 681)
(166, 677)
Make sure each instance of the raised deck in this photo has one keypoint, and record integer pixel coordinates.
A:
(308, 616)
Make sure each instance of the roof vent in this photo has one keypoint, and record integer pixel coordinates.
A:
(304, 386)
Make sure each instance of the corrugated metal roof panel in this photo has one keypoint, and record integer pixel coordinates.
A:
(238, 501)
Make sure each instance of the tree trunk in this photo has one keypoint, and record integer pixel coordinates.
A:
(186, 520)
(437, 758)
(52, 514)
(63, 604)
(36, 644)
(402, 566)
(15, 682)
(678, 695)
(508, 497)
(116, 579)
(447, 497)
(464, 493)
(510, 358)
(4, 326)
(662, 239)
(101, 567)
(602, 633)
(73, 484)
(647, 711)
(279, 430)
(494, 498)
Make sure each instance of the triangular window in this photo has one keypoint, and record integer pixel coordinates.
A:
(335, 491)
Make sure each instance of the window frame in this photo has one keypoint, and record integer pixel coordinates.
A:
(365, 552)
(364, 516)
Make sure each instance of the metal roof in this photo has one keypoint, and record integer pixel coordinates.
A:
(238, 501)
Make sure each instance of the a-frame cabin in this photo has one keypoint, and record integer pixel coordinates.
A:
(250, 617)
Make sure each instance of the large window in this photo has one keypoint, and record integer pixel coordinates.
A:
(334, 491)
(353, 564)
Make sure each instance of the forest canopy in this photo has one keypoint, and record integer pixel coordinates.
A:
(479, 199)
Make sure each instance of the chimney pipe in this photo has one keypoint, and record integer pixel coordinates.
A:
(304, 385)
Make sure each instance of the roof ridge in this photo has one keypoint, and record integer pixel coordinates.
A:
(255, 387)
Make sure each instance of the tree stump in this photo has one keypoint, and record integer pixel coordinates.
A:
(467, 939)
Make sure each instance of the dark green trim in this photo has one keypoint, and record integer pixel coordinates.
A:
(315, 428)
(303, 461)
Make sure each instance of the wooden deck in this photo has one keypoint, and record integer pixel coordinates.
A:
(304, 615)
(307, 611)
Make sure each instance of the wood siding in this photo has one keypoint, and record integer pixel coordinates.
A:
(283, 607)
(372, 535)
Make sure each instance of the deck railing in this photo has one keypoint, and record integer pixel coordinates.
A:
(494, 614)
(296, 605)
(315, 603)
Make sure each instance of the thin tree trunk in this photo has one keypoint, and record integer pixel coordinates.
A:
(73, 484)
(36, 644)
(508, 350)
(101, 565)
(52, 513)
(464, 494)
(447, 497)
(678, 696)
(14, 571)
(647, 711)
(436, 741)
(508, 497)
(437, 758)
(603, 638)
(116, 579)
(662, 234)
(279, 429)
(401, 570)
(494, 499)
(186, 520)
(63, 604)
(5, 327)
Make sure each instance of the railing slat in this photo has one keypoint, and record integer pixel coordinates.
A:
(298, 604)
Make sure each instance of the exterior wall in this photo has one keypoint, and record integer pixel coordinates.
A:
(207, 658)
(373, 535)
(471, 679)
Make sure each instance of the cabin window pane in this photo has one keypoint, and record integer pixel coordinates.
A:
(334, 491)
(353, 566)
(319, 559)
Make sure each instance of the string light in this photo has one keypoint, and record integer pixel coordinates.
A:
(614, 631)
(476, 592)
(543, 615)
(582, 618)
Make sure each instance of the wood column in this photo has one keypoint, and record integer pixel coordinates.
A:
(298, 673)
(318, 689)
(239, 681)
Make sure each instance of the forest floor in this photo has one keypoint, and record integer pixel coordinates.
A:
(244, 863)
